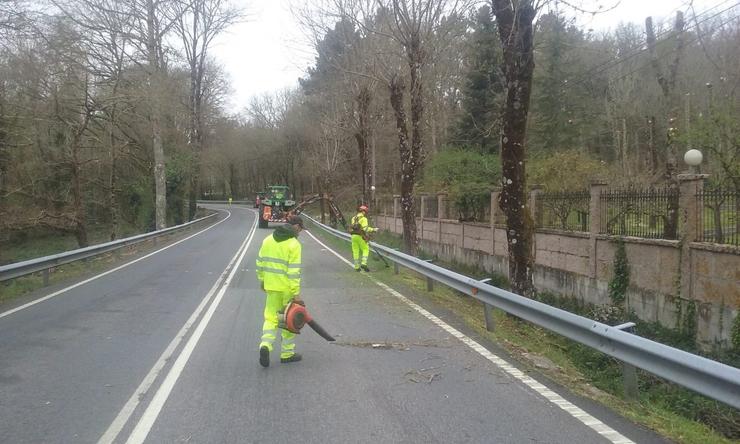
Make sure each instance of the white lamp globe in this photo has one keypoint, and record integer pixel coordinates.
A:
(692, 157)
(372, 187)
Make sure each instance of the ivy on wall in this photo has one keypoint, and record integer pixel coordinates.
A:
(621, 280)
(735, 333)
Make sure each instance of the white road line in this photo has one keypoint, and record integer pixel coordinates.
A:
(63, 290)
(155, 406)
(128, 409)
(593, 423)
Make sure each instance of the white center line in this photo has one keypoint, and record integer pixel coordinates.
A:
(155, 406)
(593, 423)
(128, 409)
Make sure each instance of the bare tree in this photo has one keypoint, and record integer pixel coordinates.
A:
(151, 21)
(415, 24)
(199, 22)
(667, 84)
(106, 37)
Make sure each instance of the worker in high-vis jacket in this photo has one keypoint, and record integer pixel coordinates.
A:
(361, 230)
(279, 272)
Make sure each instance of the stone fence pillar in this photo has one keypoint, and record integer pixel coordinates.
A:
(422, 212)
(594, 211)
(690, 210)
(533, 212)
(441, 212)
(494, 215)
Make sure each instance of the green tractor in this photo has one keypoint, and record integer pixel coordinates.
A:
(275, 206)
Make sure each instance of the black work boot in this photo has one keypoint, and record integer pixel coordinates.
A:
(264, 356)
(364, 267)
(295, 357)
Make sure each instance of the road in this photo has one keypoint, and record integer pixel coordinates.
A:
(165, 350)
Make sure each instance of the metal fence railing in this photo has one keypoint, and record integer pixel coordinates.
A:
(563, 211)
(719, 217)
(647, 213)
(710, 378)
(430, 207)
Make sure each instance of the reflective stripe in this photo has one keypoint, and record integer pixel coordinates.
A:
(272, 270)
(268, 336)
(292, 275)
(273, 259)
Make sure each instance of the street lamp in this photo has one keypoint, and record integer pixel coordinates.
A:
(693, 158)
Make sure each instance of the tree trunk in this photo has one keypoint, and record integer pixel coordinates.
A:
(516, 35)
(408, 215)
(668, 86)
(362, 135)
(112, 182)
(78, 205)
(153, 77)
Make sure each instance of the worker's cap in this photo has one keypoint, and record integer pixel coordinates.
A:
(296, 220)
(363, 208)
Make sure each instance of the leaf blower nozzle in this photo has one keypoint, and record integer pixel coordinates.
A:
(296, 316)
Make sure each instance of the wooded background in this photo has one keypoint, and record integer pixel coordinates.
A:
(112, 115)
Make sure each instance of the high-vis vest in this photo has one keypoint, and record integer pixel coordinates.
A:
(279, 265)
(359, 225)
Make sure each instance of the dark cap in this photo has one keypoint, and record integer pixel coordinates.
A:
(296, 220)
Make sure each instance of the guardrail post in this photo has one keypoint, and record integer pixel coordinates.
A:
(45, 274)
(488, 312)
(395, 267)
(430, 281)
(629, 372)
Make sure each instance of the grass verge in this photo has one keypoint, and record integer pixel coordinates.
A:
(39, 247)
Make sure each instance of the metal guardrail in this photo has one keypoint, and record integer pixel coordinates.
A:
(18, 269)
(710, 378)
(235, 202)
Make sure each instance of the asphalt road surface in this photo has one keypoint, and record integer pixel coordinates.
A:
(165, 351)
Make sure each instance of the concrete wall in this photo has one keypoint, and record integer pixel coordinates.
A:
(581, 265)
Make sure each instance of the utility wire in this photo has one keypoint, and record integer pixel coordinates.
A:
(641, 67)
(598, 69)
(637, 50)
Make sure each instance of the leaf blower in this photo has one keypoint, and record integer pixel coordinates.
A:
(296, 316)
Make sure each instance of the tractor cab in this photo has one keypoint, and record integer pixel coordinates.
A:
(275, 205)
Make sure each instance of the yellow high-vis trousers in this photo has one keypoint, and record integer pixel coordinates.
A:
(276, 302)
(360, 250)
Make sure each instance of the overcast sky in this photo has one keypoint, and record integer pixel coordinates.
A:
(268, 52)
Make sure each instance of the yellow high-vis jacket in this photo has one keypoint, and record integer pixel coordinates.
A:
(360, 226)
(279, 262)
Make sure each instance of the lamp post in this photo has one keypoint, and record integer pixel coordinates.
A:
(693, 159)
